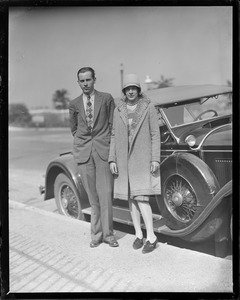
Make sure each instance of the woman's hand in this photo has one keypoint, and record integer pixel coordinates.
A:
(154, 166)
(113, 168)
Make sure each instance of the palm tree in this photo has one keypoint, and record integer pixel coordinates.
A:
(163, 82)
(61, 99)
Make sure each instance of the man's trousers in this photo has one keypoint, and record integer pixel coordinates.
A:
(97, 180)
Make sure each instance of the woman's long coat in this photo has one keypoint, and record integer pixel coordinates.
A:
(134, 159)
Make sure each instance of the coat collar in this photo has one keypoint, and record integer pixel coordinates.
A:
(141, 107)
(139, 115)
(97, 104)
(82, 110)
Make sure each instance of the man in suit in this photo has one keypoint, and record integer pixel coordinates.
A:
(91, 117)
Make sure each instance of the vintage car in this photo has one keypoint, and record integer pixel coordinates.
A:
(195, 123)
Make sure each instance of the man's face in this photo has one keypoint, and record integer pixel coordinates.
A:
(86, 82)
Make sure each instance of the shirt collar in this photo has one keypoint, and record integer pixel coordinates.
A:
(91, 95)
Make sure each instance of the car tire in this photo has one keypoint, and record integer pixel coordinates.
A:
(66, 197)
(185, 194)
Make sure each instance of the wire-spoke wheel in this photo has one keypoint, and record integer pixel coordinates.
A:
(66, 197)
(187, 189)
(180, 198)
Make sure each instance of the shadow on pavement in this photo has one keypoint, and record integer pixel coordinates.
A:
(208, 247)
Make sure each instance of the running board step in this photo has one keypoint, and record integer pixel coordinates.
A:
(122, 215)
(87, 211)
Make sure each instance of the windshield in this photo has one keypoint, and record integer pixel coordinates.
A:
(202, 109)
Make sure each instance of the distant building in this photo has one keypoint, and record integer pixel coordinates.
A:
(42, 115)
(62, 113)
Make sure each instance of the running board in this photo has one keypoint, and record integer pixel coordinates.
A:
(87, 211)
(122, 215)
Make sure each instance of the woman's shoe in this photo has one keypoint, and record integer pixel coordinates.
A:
(149, 247)
(138, 243)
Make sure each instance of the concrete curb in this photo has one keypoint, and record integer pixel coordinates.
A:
(19, 205)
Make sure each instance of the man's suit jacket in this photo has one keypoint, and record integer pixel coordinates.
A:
(102, 124)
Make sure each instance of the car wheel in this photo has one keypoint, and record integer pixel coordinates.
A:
(66, 198)
(184, 196)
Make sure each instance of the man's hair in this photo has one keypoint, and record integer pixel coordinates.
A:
(86, 69)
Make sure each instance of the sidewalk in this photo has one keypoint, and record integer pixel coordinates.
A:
(51, 253)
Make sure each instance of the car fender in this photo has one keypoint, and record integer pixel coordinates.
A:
(203, 227)
(195, 164)
(67, 166)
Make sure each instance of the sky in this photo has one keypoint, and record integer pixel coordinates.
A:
(48, 45)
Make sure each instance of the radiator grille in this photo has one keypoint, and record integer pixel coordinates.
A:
(223, 169)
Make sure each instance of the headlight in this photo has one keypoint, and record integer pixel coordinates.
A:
(190, 140)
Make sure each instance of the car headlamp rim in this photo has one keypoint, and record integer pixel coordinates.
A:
(190, 140)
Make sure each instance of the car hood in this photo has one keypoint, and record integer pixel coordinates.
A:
(219, 136)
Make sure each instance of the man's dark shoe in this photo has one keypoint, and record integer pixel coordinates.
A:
(112, 242)
(138, 243)
(95, 244)
(149, 247)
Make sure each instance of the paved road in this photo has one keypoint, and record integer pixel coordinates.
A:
(30, 152)
(33, 149)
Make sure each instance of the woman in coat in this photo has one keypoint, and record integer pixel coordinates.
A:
(135, 157)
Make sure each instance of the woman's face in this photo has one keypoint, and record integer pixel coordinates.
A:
(131, 93)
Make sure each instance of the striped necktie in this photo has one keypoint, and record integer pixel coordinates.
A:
(89, 113)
